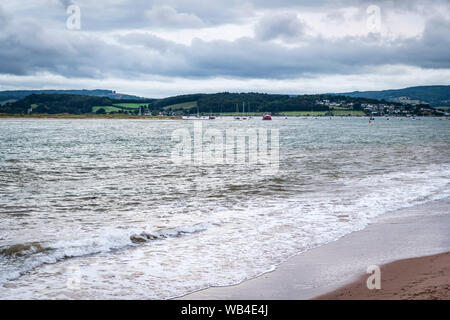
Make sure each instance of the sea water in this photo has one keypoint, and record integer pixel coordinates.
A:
(97, 209)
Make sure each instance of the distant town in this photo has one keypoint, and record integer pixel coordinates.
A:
(386, 109)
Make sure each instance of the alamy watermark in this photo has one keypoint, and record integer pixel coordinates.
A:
(74, 277)
(259, 147)
(73, 22)
(373, 21)
(374, 280)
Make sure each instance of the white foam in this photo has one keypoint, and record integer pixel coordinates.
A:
(240, 243)
(108, 240)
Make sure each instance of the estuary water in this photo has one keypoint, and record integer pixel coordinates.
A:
(98, 209)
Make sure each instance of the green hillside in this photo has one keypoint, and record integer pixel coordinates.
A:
(228, 103)
(14, 95)
(66, 103)
(436, 96)
(217, 103)
(182, 106)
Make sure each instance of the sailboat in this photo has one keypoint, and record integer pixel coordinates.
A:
(237, 113)
(243, 111)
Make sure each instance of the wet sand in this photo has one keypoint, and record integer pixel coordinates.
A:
(424, 278)
(418, 231)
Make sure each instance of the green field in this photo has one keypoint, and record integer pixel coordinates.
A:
(347, 112)
(130, 105)
(182, 106)
(107, 109)
(302, 113)
(120, 107)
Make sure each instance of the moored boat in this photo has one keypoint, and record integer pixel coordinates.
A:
(267, 116)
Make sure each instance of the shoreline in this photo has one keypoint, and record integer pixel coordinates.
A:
(132, 117)
(418, 231)
(88, 118)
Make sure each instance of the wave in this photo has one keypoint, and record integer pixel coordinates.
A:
(169, 233)
(17, 259)
(278, 228)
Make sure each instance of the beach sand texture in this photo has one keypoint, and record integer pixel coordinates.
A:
(424, 278)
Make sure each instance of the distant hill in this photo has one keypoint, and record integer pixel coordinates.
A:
(227, 102)
(218, 103)
(224, 102)
(436, 96)
(14, 95)
(53, 103)
(56, 103)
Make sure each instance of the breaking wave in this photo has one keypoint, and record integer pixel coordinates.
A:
(17, 259)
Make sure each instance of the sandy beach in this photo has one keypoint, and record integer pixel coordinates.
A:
(424, 278)
(410, 245)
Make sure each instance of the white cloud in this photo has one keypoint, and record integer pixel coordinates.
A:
(167, 17)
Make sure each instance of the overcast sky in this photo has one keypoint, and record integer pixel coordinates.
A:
(162, 48)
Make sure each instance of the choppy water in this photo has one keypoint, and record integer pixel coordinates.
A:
(97, 209)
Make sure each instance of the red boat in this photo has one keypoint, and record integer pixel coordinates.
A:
(267, 116)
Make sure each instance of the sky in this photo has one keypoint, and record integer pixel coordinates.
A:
(162, 48)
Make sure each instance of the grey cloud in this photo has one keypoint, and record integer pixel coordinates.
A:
(33, 50)
(4, 18)
(252, 58)
(27, 47)
(433, 49)
(65, 3)
(420, 6)
(286, 26)
(116, 15)
(168, 14)
(335, 16)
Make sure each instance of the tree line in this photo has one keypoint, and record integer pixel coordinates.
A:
(205, 103)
